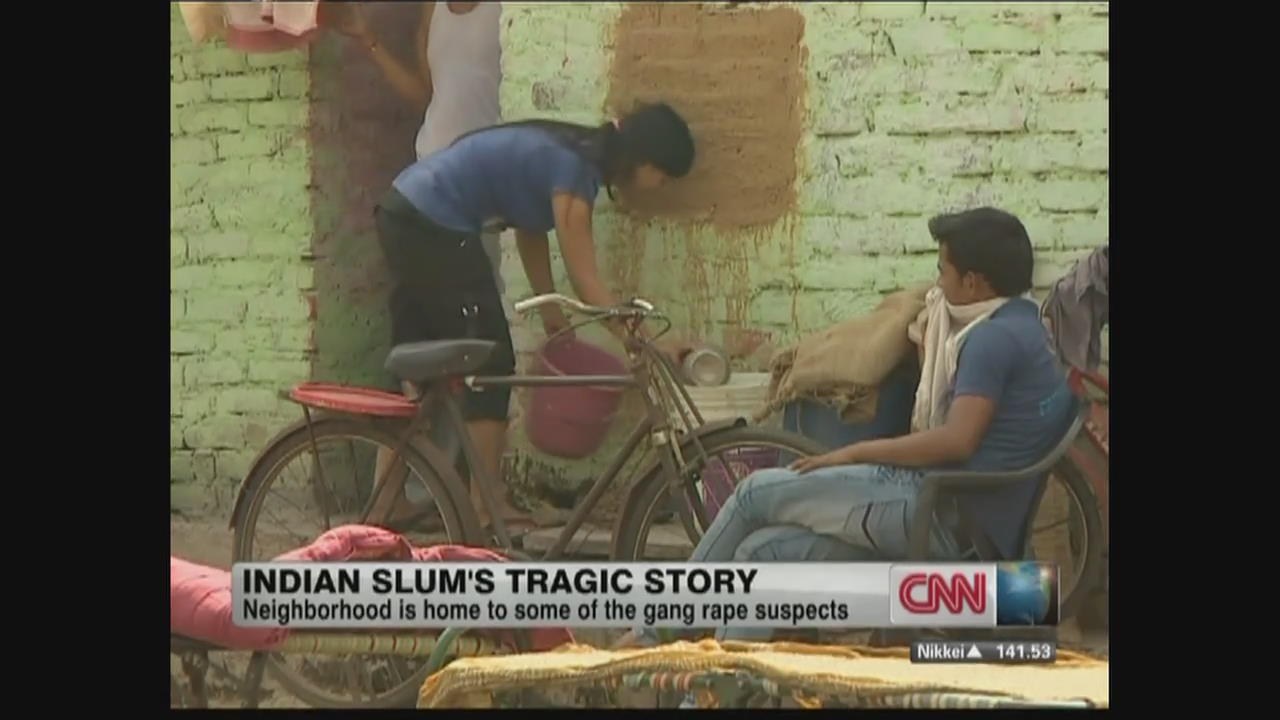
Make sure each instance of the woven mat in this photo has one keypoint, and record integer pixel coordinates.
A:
(820, 670)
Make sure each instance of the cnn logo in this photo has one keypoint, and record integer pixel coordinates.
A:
(942, 595)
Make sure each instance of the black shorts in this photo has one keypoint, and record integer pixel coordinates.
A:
(443, 288)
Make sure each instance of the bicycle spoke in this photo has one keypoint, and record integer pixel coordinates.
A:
(1047, 528)
(590, 530)
(351, 450)
(352, 669)
(300, 540)
(400, 670)
(728, 466)
(286, 499)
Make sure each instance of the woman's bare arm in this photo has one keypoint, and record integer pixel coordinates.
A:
(577, 247)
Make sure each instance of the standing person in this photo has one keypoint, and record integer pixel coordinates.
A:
(534, 177)
(454, 85)
(455, 82)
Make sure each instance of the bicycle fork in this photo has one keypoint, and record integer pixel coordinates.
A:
(667, 440)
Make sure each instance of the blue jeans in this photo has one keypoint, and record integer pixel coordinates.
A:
(847, 513)
(867, 506)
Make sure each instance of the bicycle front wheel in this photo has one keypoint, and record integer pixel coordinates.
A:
(650, 527)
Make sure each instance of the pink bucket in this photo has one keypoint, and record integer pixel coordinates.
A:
(572, 422)
(717, 483)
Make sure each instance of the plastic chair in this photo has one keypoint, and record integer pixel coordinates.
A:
(949, 483)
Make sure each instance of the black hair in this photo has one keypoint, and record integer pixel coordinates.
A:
(989, 242)
(654, 134)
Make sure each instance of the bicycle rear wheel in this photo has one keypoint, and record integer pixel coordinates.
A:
(288, 487)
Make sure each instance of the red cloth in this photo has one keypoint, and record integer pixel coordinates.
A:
(352, 542)
(200, 608)
(267, 41)
(200, 597)
(541, 639)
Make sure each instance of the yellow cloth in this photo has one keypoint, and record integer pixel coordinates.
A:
(867, 673)
(204, 20)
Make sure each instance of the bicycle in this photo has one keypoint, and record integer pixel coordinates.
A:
(1089, 460)
(685, 446)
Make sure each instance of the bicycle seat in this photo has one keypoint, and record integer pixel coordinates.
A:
(432, 359)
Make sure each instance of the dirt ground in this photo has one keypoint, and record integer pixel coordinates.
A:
(198, 532)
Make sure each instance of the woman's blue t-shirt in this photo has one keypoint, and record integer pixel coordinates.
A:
(504, 176)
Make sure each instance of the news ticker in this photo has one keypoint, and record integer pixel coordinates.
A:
(1011, 652)
(629, 595)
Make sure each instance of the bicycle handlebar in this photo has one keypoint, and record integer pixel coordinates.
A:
(635, 306)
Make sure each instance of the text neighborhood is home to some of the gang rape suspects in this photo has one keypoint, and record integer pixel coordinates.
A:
(521, 581)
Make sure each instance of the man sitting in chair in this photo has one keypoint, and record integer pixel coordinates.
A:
(992, 397)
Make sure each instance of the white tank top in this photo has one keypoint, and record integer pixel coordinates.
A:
(465, 54)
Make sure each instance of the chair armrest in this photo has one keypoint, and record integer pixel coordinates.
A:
(934, 482)
(975, 479)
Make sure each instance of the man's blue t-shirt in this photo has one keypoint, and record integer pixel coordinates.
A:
(1007, 359)
(504, 176)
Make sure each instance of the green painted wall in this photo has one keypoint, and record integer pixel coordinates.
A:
(240, 236)
(911, 109)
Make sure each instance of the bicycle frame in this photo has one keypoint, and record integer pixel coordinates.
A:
(666, 403)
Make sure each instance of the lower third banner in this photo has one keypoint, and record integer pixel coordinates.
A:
(628, 595)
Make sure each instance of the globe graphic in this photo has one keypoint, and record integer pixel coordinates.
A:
(1024, 593)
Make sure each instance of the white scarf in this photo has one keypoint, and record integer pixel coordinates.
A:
(941, 328)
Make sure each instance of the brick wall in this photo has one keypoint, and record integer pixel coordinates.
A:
(361, 136)
(910, 109)
(240, 237)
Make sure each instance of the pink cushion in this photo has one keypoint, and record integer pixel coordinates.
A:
(352, 542)
(200, 597)
(200, 608)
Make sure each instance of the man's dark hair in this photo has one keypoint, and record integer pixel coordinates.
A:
(989, 242)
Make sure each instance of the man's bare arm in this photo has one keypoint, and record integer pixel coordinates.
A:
(404, 81)
(424, 36)
(954, 442)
